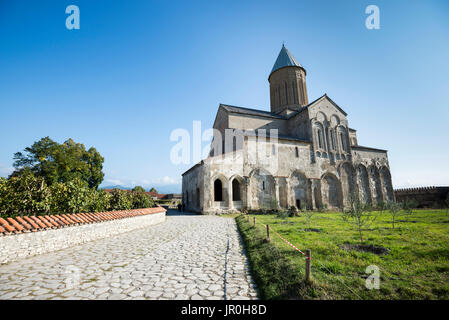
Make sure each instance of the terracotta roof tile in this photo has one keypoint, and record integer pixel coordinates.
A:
(89, 217)
(35, 219)
(15, 224)
(33, 223)
(24, 223)
(68, 218)
(62, 219)
(6, 225)
(45, 222)
(50, 220)
(79, 218)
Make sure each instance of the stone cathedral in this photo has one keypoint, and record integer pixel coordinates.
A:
(299, 153)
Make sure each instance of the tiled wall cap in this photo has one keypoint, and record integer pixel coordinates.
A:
(25, 224)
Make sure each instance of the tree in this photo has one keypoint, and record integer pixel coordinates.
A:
(359, 215)
(138, 189)
(60, 162)
(120, 200)
(381, 206)
(153, 190)
(70, 197)
(408, 206)
(141, 200)
(27, 194)
(4, 195)
(394, 209)
(99, 201)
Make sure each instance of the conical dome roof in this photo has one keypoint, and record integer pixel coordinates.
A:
(285, 59)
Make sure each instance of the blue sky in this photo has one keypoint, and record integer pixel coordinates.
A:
(136, 70)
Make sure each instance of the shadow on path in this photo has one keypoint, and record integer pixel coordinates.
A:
(172, 212)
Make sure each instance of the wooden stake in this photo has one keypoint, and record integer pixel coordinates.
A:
(268, 232)
(308, 265)
(254, 221)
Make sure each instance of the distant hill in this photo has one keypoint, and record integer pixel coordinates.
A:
(160, 189)
(116, 187)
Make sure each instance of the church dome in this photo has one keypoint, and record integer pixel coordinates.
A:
(285, 59)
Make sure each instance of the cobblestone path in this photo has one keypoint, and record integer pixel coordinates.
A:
(186, 257)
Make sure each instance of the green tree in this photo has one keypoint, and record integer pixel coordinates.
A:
(138, 189)
(153, 190)
(99, 201)
(27, 195)
(394, 208)
(70, 197)
(60, 162)
(141, 200)
(408, 205)
(4, 196)
(120, 200)
(359, 215)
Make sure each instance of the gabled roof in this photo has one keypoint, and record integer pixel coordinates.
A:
(330, 100)
(251, 112)
(285, 59)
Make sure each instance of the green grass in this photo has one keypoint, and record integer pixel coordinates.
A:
(416, 267)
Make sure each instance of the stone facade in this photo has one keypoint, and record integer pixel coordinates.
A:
(298, 154)
(16, 246)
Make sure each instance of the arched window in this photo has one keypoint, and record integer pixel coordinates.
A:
(236, 190)
(342, 141)
(218, 190)
(286, 92)
(320, 138)
(197, 197)
(333, 144)
(279, 95)
(296, 152)
(295, 92)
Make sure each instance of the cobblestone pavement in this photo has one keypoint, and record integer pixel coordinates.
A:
(186, 257)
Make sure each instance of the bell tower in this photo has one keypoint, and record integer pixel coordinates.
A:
(287, 80)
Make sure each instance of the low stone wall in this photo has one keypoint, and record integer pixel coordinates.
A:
(17, 246)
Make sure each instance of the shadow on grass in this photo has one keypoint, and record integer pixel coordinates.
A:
(275, 275)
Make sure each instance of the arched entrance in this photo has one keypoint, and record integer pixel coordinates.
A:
(218, 190)
(331, 191)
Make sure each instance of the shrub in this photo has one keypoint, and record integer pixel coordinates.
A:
(100, 201)
(359, 215)
(71, 197)
(26, 194)
(120, 200)
(394, 208)
(140, 200)
(283, 214)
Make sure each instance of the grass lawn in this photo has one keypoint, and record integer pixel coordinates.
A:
(416, 266)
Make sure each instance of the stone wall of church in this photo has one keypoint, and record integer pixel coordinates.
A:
(288, 174)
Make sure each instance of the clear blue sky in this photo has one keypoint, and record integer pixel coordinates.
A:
(136, 70)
